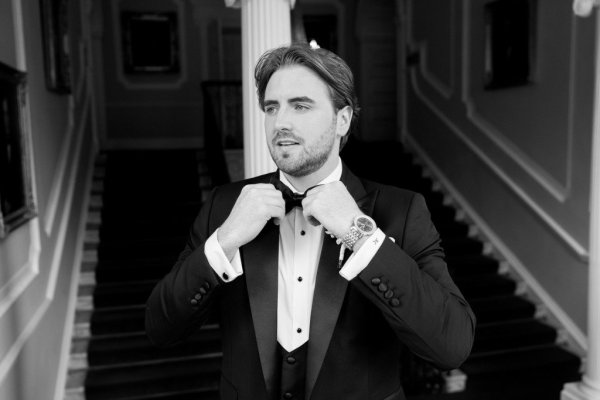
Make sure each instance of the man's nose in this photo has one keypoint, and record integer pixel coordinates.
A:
(283, 119)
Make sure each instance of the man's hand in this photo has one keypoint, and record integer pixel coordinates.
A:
(332, 206)
(254, 207)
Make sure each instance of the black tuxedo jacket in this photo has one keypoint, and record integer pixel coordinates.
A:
(403, 298)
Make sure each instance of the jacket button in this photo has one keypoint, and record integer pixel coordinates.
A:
(389, 294)
(225, 276)
(395, 302)
(291, 360)
(202, 290)
(288, 395)
(194, 302)
(382, 287)
(207, 285)
(375, 281)
(198, 296)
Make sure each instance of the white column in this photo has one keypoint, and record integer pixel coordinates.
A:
(265, 25)
(589, 387)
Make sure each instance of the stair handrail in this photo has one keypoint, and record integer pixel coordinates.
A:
(223, 124)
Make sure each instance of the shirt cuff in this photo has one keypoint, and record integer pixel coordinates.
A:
(219, 262)
(361, 258)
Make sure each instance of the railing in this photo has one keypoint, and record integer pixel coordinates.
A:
(223, 125)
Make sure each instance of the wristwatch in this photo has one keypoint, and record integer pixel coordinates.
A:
(363, 225)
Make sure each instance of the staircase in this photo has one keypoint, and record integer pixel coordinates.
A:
(516, 355)
(143, 203)
(142, 206)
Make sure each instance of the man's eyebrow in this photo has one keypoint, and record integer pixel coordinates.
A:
(301, 99)
(270, 103)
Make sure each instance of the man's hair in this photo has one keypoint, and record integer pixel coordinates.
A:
(327, 65)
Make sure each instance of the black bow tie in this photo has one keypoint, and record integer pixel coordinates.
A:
(291, 199)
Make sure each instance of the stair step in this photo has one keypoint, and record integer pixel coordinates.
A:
(131, 248)
(146, 229)
(200, 373)
(118, 320)
(133, 208)
(545, 361)
(134, 220)
(452, 229)
(440, 212)
(111, 272)
(469, 265)
(433, 199)
(512, 334)
(479, 286)
(75, 393)
(501, 308)
(461, 245)
(122, 294)
(171, 193)
(137, 348)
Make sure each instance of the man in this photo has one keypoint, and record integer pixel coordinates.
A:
(316, 301)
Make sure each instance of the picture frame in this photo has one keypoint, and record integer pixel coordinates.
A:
(16, 193)
(150, 42)
(509, 43)
(55, 41)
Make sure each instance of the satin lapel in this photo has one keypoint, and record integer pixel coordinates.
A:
(260, 259)
(327, 302)
(330, 288)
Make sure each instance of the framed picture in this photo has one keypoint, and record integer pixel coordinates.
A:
(55, 37)
(509, 43)
(16, 195)
(150, 42)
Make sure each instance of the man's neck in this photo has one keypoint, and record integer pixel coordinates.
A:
(302, 183)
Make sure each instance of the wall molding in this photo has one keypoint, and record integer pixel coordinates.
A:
(578, 339)
(555, 188)
(578, 248)
(12, 290)
(57, 181)
(132, 85)
(8, 359)
(19, 27)
(63, 364)
(59, 245)
(446, 90)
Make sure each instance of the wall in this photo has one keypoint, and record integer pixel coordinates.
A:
(519, 157)
(39, 260)
(167, 110)
(376, 84)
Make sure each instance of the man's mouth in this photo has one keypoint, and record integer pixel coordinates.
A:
(286, 142)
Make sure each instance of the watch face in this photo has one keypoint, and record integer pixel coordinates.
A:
(365, 224)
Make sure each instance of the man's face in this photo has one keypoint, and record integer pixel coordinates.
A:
(303, 129)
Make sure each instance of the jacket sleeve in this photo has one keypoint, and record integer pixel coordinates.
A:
(181, 302)
(409, 282)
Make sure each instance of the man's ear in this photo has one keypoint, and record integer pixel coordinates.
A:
(344, 118)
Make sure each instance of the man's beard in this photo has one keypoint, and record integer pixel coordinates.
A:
(310, 159)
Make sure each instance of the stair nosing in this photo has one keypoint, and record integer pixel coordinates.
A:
(204, 356)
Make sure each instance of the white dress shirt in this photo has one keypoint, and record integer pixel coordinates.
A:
(299, 251)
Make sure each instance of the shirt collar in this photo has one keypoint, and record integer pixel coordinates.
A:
(335, 175)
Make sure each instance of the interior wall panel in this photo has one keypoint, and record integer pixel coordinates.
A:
(37, 259)
(515, 150)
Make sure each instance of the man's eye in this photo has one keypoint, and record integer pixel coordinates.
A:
(270, 110)
(301, 107)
